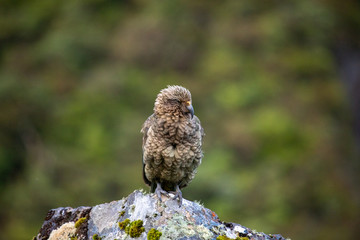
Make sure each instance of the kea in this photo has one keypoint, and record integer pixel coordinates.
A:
(171, 143)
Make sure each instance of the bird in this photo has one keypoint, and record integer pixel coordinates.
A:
(172, 143)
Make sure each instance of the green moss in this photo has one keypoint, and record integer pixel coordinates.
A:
(122, 213)
(80, 221)
(74, 238)
(135, 229)
(124, 224)
(96, 237)
(154, 234)
(223, 237)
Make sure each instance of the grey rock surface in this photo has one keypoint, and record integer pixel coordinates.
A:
(143, 216)
(55, 218)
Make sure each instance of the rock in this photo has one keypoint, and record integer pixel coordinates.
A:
(143, 216)
(58, 217)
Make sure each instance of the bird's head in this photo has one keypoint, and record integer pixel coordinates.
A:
(174, 99)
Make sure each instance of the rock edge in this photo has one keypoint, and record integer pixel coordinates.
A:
(143, 216)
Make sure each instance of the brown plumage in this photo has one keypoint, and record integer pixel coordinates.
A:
(172, 142)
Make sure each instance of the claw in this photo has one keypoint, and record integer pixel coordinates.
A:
(178, 195)
(159, 191)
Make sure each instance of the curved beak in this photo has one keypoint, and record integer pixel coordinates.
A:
(190, 108)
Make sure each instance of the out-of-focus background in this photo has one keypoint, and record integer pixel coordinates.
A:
(276, 85)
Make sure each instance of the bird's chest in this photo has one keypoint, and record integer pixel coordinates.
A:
(173, 130)
(174, 145)
(177, 156)
(175, 162)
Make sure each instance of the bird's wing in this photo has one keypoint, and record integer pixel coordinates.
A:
(198, 124)
(199, 140)
(144, 130)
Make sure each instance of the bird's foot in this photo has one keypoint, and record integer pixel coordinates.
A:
(159, 191)
(178, 195)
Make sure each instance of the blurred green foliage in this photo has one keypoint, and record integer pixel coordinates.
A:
(78, 79)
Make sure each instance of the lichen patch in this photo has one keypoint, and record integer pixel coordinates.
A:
(64, 232)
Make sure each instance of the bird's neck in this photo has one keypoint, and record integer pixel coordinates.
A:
(171, 123)
(173, 117)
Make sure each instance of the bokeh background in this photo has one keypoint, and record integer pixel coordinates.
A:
(276, 85)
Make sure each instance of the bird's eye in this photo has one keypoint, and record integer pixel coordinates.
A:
(173, 101)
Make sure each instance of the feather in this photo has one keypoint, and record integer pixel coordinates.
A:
(172, 140)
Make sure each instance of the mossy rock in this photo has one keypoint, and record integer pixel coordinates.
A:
(154, 234)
